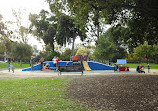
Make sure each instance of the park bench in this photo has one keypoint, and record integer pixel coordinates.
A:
(70, 68)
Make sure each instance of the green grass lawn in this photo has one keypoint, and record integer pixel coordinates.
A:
(134, 65)
(4, 66)
(36, 95)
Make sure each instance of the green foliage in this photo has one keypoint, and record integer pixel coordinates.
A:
(68, 31)
(21, 51)
(44, 26)
(65, 56)
(106, 49)
(143, 51)
(139, 16)
(2, 48)
(83, 51)
(155, 51)
(47, 37)
(2, 27)
(48, 54)
(36, 94)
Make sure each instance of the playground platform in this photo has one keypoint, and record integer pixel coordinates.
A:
(90, 65)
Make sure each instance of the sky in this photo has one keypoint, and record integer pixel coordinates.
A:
(30, 6)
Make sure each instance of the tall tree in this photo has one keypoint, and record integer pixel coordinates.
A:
(143, 51)
(2, 27)
(21, 32)
(106, 49)
(21, 51)
(2, 48)
(155, 53)
(140, 16)
(5, 42)
(67, 32)
(44, 26)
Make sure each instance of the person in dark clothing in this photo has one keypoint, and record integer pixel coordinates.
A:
(148, 68)
(142, 70)
(41, 62)
(115, 67)
(138, 69)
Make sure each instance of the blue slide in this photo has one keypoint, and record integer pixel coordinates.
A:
(92, 65)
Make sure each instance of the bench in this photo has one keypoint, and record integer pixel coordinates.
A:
(53, 68)
(70, 68)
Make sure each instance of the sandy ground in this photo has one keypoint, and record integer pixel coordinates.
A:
(43, 74)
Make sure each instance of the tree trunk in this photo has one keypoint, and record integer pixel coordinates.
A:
(147, 60)
(20, 63)
(156, 60)
(73, 45)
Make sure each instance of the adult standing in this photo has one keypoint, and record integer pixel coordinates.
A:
(57, 62)
(148, 68)
(54, 61)
(41, 62)
(138, 69)
(31, 63)
(115, 67)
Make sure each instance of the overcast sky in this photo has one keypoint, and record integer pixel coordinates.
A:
(33, 6)
(30, 6)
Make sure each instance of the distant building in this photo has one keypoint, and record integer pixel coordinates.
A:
(35, 51)
(5, 57)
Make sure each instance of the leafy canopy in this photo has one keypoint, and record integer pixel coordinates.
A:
(22, 51)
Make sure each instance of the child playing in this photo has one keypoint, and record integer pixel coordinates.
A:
(9, 66)
(12, 67)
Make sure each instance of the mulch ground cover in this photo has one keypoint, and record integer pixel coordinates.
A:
(116, 92)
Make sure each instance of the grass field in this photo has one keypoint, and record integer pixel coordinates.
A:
(36, 95)
(15, 64)
(134, 65)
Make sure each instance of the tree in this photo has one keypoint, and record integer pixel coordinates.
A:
(21, 51)
(155, 53)
(20, 32)
(2, 48)
(66, 55)
(143, 51)
(5, 42)
(83, 51)
(141, 17)
(67, 32)
(106, 49)
(44, 26)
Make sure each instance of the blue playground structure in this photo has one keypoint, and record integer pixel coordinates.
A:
(93, 66)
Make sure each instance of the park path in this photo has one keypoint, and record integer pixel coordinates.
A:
(42, 74)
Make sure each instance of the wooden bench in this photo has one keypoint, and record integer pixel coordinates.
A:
(53, 68)
(70, 68)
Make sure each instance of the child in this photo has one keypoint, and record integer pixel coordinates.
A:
(12, 67)
(47, 66)
(148, 68)
(9, 66)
